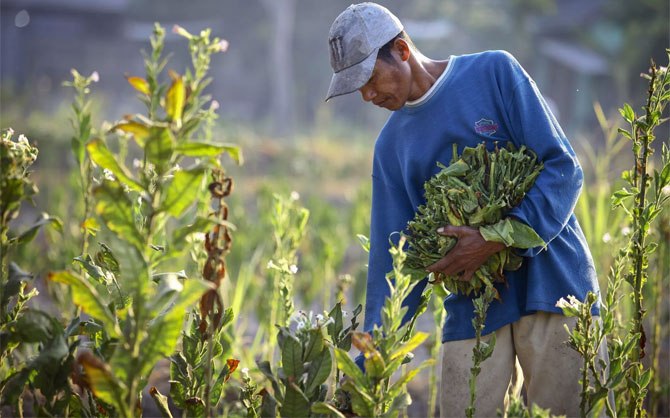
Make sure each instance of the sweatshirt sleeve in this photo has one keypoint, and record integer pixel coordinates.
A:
(549, 204)
(390, 212)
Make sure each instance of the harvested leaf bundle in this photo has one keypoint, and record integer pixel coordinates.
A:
(476, 190)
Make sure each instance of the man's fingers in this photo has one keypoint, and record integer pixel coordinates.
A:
(439, 265)
(466, 276)
(449, 230)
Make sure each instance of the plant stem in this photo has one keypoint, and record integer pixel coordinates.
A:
(208, 365)
(479, 352)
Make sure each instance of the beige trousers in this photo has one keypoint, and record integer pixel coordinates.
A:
(532, 351)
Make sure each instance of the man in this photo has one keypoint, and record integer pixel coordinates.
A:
(467, 100)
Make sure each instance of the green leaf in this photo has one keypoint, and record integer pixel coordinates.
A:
(163, 331)
(117, 211)
(104, 158)
(291, 355)
(295, 403)
(315, 344)
(399, 403)
(103, 382)
(203, 149)
(318, 371)
(348, 366)
(324, 408)
(501, 231)
(645, 378)
(32, 326)
(178, 393)
(374, 364)
(224, 375)
(524, 236)
(269, 406)
(182, 191)
(410, 345)
(266, 369)
(87, 298)
(14, 386)
(44, 219)
(361, 402)
(664, 178)
(159, 148)
(627, 113)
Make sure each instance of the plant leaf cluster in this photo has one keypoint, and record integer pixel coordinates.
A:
(477, 190)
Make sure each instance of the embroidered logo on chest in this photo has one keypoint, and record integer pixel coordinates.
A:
(486, 127)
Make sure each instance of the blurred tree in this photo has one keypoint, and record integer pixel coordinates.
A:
(645, 34)
(282, 15)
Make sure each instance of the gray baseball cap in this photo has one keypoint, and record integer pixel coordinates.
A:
(354, 39)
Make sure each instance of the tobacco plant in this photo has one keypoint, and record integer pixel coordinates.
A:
(139, 306)
(306, 364)
(21, 326)
(482, 350)
(193, 386)
(289, 221)
(385, 350)
(83, 131)
(642, 201)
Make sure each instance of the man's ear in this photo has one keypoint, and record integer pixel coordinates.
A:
(402, 48)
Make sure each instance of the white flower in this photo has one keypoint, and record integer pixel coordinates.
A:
(10, 132)
(222, 46)
(95, 77)
(625, 231)
(137, 163)
(214, 105)
(108, 174)
(345, 314)
(572, 302)
(295, 195)
(177, 167)
(293, 269)
(245, 373)
(319, 317)
(300, 325)
(607, 237)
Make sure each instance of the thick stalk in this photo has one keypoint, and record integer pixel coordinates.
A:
(588, 359)
(640, 224)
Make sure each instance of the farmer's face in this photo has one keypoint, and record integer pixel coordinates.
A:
(389, 85)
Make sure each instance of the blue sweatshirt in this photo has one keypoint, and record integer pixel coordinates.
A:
(485, 97)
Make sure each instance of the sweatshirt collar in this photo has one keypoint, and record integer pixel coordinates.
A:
(428, 94)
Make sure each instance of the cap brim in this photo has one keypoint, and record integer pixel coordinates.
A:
(352, 78)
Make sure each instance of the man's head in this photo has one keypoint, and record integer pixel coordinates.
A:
(355, 39)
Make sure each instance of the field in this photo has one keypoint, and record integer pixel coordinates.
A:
(173, 264)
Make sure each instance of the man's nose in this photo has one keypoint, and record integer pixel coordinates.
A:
(368, 93)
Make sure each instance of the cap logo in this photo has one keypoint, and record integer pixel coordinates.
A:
(336, 50)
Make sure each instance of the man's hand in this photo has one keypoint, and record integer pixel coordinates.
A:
(469, 253)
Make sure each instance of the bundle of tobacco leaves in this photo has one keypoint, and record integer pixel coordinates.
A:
(477, 190)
